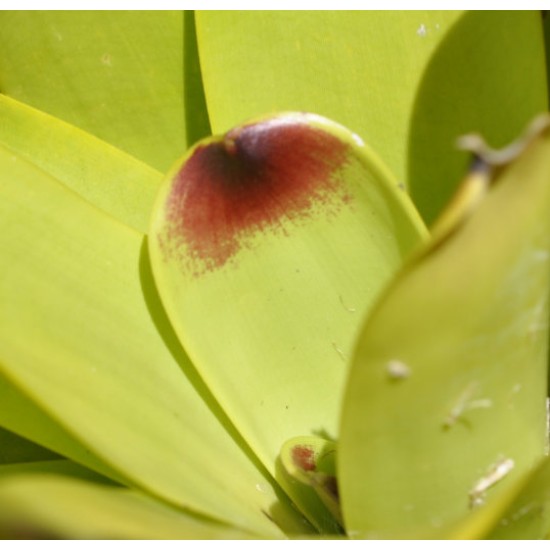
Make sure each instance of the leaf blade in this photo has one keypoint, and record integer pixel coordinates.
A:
(486, 368)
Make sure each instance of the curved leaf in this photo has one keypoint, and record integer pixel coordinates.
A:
(528, 515)
(461, 91)
(466, 320)
(15, 449)
(22, 416)
(267, 246)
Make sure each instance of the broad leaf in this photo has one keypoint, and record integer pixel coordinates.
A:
(445, 403)
(268, 245)
(23, 416)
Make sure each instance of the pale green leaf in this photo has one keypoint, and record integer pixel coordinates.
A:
(22, 416)
(445, 404)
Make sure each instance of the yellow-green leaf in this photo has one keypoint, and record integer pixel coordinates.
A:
(105, 176)
(408, 82)
(446, 401)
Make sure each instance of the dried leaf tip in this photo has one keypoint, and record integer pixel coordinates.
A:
(487, 157)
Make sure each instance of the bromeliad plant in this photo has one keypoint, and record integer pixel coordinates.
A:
(267, 341)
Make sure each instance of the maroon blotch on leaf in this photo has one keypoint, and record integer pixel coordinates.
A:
(255, 178)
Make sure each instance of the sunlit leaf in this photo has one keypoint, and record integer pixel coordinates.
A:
(103, 175)
(24, 417)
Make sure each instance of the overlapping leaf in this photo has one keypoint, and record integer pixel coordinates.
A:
(445, 403)
(268, 245)
(61, 506)
(408, 82)
(130, 78)
(81, 335)
(105, 176)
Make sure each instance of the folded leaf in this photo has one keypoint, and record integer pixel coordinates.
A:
(445, 403)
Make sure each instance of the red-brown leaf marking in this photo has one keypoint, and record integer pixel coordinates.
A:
(303, 457)
(252, 180)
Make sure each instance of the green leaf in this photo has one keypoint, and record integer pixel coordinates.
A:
(60, 506)
(267, 246)
(461, 91)
(465, 321)
(311, 460)
(132, 81)
(407, 82)
(57, 466)
(85, 338)
(108, 178)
